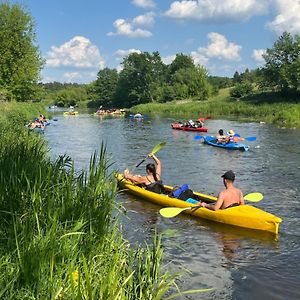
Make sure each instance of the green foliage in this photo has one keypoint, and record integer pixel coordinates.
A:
(281, 70)
(241, 90)
(20, 60)
(268, 107)
(145, 79)
(70, 96)
(105, 86)
(140, 80)
(181, 61)
(59, 239)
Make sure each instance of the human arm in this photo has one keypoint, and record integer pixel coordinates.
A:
(242, 201)
(158, 164)
(135, 178)
(214, 206)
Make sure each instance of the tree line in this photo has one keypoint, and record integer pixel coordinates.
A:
(144, 77)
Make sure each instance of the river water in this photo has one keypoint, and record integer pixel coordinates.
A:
(236, 263)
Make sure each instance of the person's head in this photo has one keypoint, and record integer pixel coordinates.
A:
(228, 177)
(221, 132)
(151, 169)
(230, 132)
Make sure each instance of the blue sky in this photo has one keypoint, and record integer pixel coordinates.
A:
(78, 38)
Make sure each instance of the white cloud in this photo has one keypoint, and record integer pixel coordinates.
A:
(146, 20)
(72, 76)
(219, 47)
(82, 77)
(257, 55)
(144, 3)
(134, 28)
(79, 52)
(216, 10)
(168, 59)
(199, 59)
(123, 53)
(288, 17)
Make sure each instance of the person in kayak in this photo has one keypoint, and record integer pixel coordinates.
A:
(151, 181)
(221, 137)
(230, 197)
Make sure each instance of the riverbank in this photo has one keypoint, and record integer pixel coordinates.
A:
(269, 108)
(59, 234)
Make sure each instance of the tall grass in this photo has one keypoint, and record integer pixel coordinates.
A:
(283, 114)
(58, 236)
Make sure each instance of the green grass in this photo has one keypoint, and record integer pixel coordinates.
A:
(59, 232)
(270, 108)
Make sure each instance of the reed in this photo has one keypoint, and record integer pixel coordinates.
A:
(279, 112)
(58, 239)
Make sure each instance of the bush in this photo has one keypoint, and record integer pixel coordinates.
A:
(241, 90)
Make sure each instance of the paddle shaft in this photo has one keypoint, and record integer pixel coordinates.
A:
(154, 150)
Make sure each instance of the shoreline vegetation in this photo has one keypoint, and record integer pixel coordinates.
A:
(60, 234)
(269, 108)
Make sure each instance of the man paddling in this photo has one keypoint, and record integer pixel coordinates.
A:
(230, 197)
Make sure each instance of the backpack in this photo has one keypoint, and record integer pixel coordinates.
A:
(183, 192)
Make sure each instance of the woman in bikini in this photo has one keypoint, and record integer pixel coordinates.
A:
(151, 181)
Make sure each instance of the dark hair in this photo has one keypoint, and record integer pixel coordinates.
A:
(221, 132)
(152, 169)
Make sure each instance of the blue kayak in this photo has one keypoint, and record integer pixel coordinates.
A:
(211, 140)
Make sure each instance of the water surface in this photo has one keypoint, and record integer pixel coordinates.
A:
(237, 263)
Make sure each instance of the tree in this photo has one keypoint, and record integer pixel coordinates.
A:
(191, 82)
(181, 61)
(20, 60)
(281, 70)
(140, 80)
(105, 86)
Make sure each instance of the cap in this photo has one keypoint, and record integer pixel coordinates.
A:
(230, 132)
(229, 175)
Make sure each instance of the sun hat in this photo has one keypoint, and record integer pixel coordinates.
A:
(230, 132)
(229, 175)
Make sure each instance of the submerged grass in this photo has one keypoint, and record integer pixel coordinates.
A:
(269, 108)
(58, 236)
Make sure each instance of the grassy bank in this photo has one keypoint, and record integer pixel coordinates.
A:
(269, 108)
(58, 236)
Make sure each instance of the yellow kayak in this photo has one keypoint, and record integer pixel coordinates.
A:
(245, 216)
(71, 113)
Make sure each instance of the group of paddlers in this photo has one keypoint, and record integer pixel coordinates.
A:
(192, 124)
(230, 137)
(39, 122)
(229, 197)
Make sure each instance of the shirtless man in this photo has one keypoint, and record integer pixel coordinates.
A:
(232, 196)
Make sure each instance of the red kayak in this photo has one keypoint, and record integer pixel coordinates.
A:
(179, 126)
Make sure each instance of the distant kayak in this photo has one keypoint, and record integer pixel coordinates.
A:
(178, 126)
(136, 116)
(71, 113)
(211, 140)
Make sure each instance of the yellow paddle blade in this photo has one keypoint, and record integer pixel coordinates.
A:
(254, 197)
(158, 147)
(170, 212)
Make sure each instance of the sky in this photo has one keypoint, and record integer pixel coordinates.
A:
(79, 38)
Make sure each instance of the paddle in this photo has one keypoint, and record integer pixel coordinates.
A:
(250, 138)
(170, 212)
(198, 137)
(154, 150)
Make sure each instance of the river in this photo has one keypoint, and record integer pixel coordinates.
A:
(236, 263)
